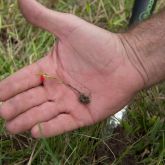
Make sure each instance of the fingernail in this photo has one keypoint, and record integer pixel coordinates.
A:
(35, 131)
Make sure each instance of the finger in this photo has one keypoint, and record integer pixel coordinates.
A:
(62, 123)
(22, 80)
(55, 22)
(38, 114)
(22, 102)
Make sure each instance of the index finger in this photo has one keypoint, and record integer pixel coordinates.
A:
(21, 81)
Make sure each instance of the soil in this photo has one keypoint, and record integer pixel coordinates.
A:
(4, 37)
(118, 143)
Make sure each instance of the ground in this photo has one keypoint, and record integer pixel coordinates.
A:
(140, 139)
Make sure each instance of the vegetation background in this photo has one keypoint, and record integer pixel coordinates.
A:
(140, 139)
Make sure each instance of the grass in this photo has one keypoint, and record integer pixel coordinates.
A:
(139, 140)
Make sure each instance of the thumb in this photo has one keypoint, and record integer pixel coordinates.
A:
(57, 23)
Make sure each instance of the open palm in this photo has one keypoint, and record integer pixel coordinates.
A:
(87, 59)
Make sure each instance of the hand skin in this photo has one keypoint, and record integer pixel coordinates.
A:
(90, 59)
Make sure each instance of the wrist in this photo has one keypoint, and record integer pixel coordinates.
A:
(146, 54)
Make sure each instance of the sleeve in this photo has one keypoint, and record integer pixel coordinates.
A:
(142, 10)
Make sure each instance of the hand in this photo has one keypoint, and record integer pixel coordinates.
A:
(86, 59)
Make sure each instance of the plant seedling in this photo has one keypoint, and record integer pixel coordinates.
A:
(83, 98)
